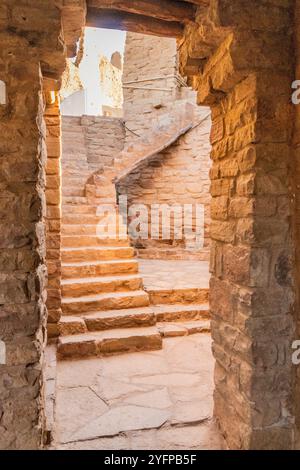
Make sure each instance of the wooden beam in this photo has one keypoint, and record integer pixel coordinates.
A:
(97, 18)
(168, 10)
(197, 2)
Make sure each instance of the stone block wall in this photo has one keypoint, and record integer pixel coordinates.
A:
(179, 175)
(104, 137)
(246, 79)
(98, 142)
(22, 212)
(296, 187)
(147, 57)
(53, 219)
(251, 261)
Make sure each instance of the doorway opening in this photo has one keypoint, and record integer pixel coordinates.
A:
(134, 274)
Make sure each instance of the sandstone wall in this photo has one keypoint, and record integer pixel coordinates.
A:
(23, 209)
(102, 140)
(251, 255)
(246, 77)
(179, 175)
(296, 187)
(53, 220)
(147, 57)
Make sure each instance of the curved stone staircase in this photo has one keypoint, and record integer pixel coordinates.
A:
(106, 309)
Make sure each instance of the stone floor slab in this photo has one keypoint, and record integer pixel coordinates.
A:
(146, 400)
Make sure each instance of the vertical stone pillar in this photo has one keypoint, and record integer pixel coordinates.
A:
(296, 146)
(252, 290)
(22, 245)
(53, 220)
(32, 45)
(245, 75)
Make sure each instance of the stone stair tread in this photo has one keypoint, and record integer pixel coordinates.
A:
(98, 263)
(96, 247)
(92, 298)
(174, 295)
(93, 238)
(170, 329)
(111, 334)
(97, 279)
(106, 320)
(119, 313)
(108, 342)
(176, 313)
(77, 241)
(179, 307)
(164, 290)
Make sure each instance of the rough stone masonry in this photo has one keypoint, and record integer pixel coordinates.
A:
(240, 57)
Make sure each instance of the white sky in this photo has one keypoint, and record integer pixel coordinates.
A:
(98, 42)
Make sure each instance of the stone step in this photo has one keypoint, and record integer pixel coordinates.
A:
(97, 203)
(107, 301)
(68, 209)
(109, 342)
(92, 229)
(75, 219)
(102, 191)
(170, 254)
(75, 191)
(100, 268)
(84, 240)
(85, 208)
(96, 253)
(69, 172)
(73, 180)
(178, 296)
(179, 313)
(74, 200)
(71, 155)
(72, 141)
(111, 319)
(171, 330)
(100, 285)
(81, 166)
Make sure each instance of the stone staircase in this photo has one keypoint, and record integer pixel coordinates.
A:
(165, 131)
(106, 309)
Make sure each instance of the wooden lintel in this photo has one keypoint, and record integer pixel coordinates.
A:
(97, 18)
(167, 10)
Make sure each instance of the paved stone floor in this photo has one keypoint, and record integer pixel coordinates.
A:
(174, 274)
(146, 400)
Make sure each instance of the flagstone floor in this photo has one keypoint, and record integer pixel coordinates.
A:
(158, 400)
(174, 274)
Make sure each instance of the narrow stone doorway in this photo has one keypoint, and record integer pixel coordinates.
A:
(146, 296)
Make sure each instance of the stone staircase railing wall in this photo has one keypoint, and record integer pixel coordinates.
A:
(178, 144)
(178, 175)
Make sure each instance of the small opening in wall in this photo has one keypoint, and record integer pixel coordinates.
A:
(2, 92)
